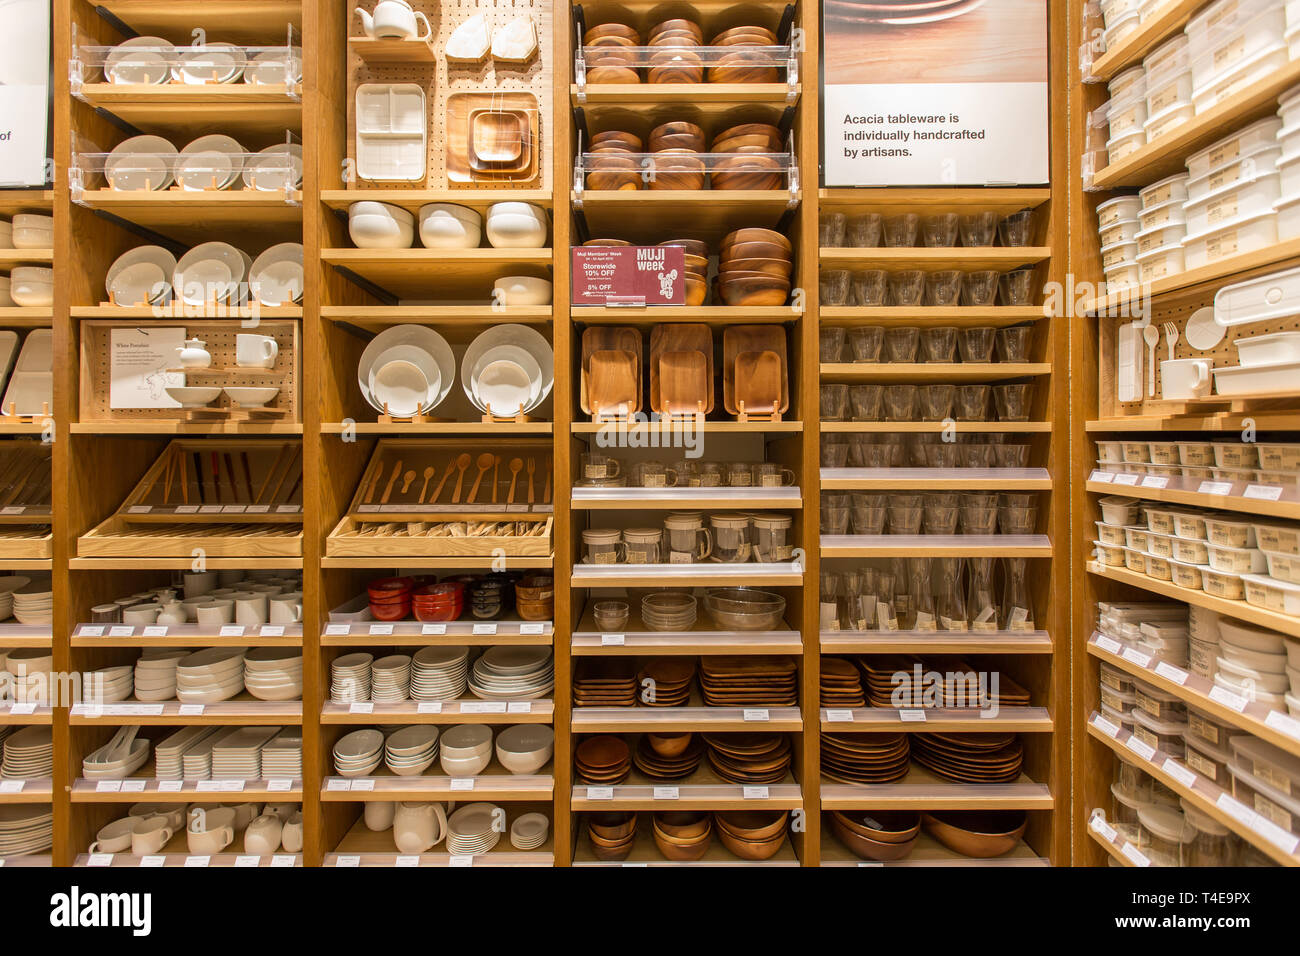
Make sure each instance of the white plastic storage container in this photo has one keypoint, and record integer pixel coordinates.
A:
(1280, 456)
(1125, 230)
(1126, 144)
(1155, 237)
(1268, 764)
(1113, 210)
(1288, 165)
(1113, 10)
(1272, 594)
(1118, 254)
(1162, 262)
(1272, 350)
(1237, 199)
(1127, 114)
(1232, 148)
(1287, 209)
(1229, 34)
(1166, 190)
(1278, 538)
(1261, 299)
(1232, 238)
(1288, 104)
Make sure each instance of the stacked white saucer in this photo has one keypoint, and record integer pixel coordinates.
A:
(390, 678)
(471, 830)
(411, 750)
(438, 673)
(33, 602)
(211, 675)
(274, 673)
(529, 831)
(350, 677)
(282, 756)
(30, 668)
(7, 587)
(357, 754)
(169, 754)
(26, 828)
(28, 754)
(506, 672)
(108, 684)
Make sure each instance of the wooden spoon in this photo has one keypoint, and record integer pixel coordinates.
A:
(516, 466)
(484, 463)
(406, 481)
(388, 488)
(451, 466)
(496, 471)
(461, 464)
(428, 476)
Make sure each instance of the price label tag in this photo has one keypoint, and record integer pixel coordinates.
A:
(840, 716)
(337, 630)
(244, 861)
(135, 509)
(755, 793)
(1126, 479)
(485, 629)
(198, 861)
(433, 629)
(171, 786)
(1263, 492)
(349, 859)
(633, 865)
(187, 509)
(666, 793)
(1228, 699)
(361, 707)
(532, 629)
(272, 630)
(1134, 855)
(1183, 775)
(1235, 809)
(1214, 488)
(757, 714)
(1140, 747)
(612, 640)
(462, 783)
(257, 509)
(279, 785)
(1109, 644)
(154, 630)
(11, 786)
(287, 509)
(1155, 481)
(381, 630)
(121, 630)
(429, 707)
(600, 793)
(337, 784)
(363, 784)
(1171, 673)
(1135, 656)
(1274, 834)
(1105, 477)
(91, 630)
(1100, 826)
(210, 509)
(405, 860)
(912, 716)
(191, 710)
(232, 786)
(108, 786)
(483, 707)
(22, 710)
(519, 707)
(1104, 725)
(459, 860)
(1281, 722)
(232, 509)
(100, 859)
(133, 786)
(232, 630)
(152, 861)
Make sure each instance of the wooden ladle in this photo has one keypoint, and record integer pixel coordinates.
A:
(461, 464)
(516, 466)
(484, 463)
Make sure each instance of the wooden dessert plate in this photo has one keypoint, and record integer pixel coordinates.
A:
(611, 339)
(498, 140)
(460, 149)
(694, 376)
(762, 378)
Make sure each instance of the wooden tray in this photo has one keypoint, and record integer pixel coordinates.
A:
(25, 483)
(682, 338)
(119, 538)
(460, 106)
(756, 350)
(611, 339)
(26, 541)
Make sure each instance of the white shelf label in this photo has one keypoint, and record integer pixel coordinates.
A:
(209, 509)
(337, 630)
(1274, 834)
(1134, 855)
(1105, 477)
(1109, 644)
(121, 630)
(232, 509)
(363, 784)
(1100, 826)
(666, 793)
(1171, 673)
(257, 509)
(279, 785)
(244, 861)
(22, 710)
(108, 786)
(100, 859)
(840, 716)
(462, 783)
(1104, 725)
(532, 629)
(483, 707)
(271, 630)
(232, 786)
(429, 707)
(433, 629)
(612, 640)
(1228, 699)
(459, 860)
(287, 509)
(152, 861)
(154, 630)
(381, 630)
(91, 630)
(755, 793)
(757, 714)
(334, 784)
(1214, 488)
(1140, 747)
(232, 630)
(191, 710)
(11, 786)
(600, 793)
(912, 716)
(1136, 657)
(406, 861)
(198, 861)
(519, 707)
(1263, 492)
(1126, 479)
(187, 509)
(1235, 809)
(1155, 481)
(1283, 724)
(481, 629)
(133, 786)
(139, 509)
(350, 859)
(1180, 773)
(171, 786)
(361, 707)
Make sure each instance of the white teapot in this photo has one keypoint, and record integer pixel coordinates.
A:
(194, 355)
(394, 19)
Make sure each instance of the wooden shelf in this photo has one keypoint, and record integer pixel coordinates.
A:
(237, 21)
(496, 784)
(674, 425)
(686, 575)
(936, 479)
(930, 372)
(936, 545)
(412, 199)
(361, 846)
(1168, 154)
(190, 216)
(1218, 422)
(177, 564)
(26, 200)
(478, 429)
(687, 94)
(42, 715)
(658, 315)
(40, 790)
(18, 257)
(382, 52)
(181, 635)
(179, 313)
(646, 853)
(143, 427)
(376, 318)
(683, 643)
(1238, 609)
(247, 711)
(1119, 848)
(441, 273)
(1287, 506)
(927, 851)
(647, 215)
(30, 860)
(936, 642)
(960, 316)
(1205, 796)
(915, 427)
(190, 861)
(923, 790)
(622, 720)
(179, 110)
(891, 200)
(940, 720)
(30, 317)
(702, 790)
(438, 561)
(467, 711)
(674, 499)
(883, 257)
(1277, 728)
(1167, 20)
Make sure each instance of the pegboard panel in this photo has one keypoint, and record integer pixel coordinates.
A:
(219, 336)
(441, 79)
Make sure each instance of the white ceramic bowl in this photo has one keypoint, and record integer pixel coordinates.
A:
(32, 231)
(448, 226)
(377, 225)
(522, 290)
(31, 286)
(516, 225)
(465, 766)
(251, 396)
(525, 748)
(193, 396)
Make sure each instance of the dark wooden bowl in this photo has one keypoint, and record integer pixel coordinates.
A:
(697, 290)
(754, 234)
(896, 826)
(621, 30)
(612, 74)
(752, 824)
(617, 138)
(607, 242)
(675, 25)
(977, 833)
(754, 290)
(693, 247)
(751, 849)
(683, 824)
(758, 249)
(669, 745)
(770, 267)
(864, 848)
(763, 33)
(679, 141)
(678, 128)
(677, 169)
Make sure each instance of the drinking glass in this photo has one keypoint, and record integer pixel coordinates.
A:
(900, 403)
(972, 403)
(834, 453)
(979, 288)
(900, 231)
(869, 287)
(943, 288)
(830, 229)
(901, 344)
(830, 344)
(834, 402)
(976, 344)
(977, 228)
(833, 286)
(939, 344)
(1014, 343)
(1012, 402)
(1017, 228)
(864, 230)
(940, 230)
(1017, 287)
(906, 287)
(936, 402)
(865, 401)
(865, 343)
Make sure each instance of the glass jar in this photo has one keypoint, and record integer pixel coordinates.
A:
(1124, 813)
(602, 545)
(772, 537)
(653, 474)
(643, 545)
(730, 538)
(597, 467)
(688, 540)
(1212, 844)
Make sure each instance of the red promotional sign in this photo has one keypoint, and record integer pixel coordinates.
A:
(629, 275)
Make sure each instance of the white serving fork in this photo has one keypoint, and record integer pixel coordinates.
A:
(1171, 337)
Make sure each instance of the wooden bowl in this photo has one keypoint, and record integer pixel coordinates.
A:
(678, 128)
(754, 234)
(754, 143)
(678, 141)
(758, 249)
(693, 247)
(682, 854)
(896, 826)
(697, 264)
(766, 35)
(754, 290)
(740, 71)
(675, 74)
(612, 74)
(669, 745)
(612, 826)
(612, 854)
(607, 242)
(977, 833)
(621, 30)
(617, 138)
(677, 169)
(865, 848)
(748, 172)
(686, 825)
(752, 849)
(677, 25)
(770, 267)
(697, 290)
(752, 824)
(674, 39)
(613, 181)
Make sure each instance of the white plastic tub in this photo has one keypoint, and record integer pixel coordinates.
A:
(1229, 532)
(1287, 209)
(1255, 381)
(1112, 556)
(1190, 526)
(1196, 453)
(1110, 451)
(1272, 594)
(1284, 567)
(1227, 33)
(1235, 200)
(1232, 238)
(1125, 230)
(1288, 165)
(1154, 237)
(1125, 145)
(1119, 511)
(1167, 120)
(1135, 560)
(1231, 148)
(1113, 10)
(1288, 104)
(1112, 534)
(1135, 537)
(1269, 764)
(1126, 114)
(1190, 552)
(1137, 451)
(1166, 190)
(1261, 299)
(1164, 452)
(1160, 520)
(1161, 545)
(1237, 560)
(1158, 568)
(1235, 455)
(1222, 19)
(1279, 456)
(1113, 210)
(1270, 350)
(1259, 161)
(1218, 87)
(1162, 214)
(1117, 254)
(1278, 538)
(1158, 263)
(1185, 574)
(1223, 584)
(1123, 276)
(1125, 25)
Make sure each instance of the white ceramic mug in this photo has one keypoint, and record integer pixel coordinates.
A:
(215, 613)
(286, 608)
(250, 608)
(1184, 378)
(197, 583)
(173, 813)
(263, 835)
(255, 351)
(291, 834)
(210, 830)
(149, 835)
(245, 813)
(394, 19)
(378, 814)
(115, 837)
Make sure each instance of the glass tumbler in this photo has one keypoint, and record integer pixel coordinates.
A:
(1012, 402)
(941, 454)
(906, 288)
(977, 228)
(865, 401)
(834, 402)
(939, 345)
(936, 402)
(940, 519)
(900, 231)
(833, 286)
(976, 345)
(835, 514)
(1011, 456)
(971, 403)
(830, 343)
(865, 343)
(901, 344)
(979, 288)
(1017, 287)
(868, 512)
(831, 228)
(940, 231)
(1013, 520)
(834, 454)
(1014, 342)
(864, 230)
(974, 455)
(739, 474)
(869, 287)
(943, 288)
(979, 514)
(1017, 228)
(900, 403)
(905, 514)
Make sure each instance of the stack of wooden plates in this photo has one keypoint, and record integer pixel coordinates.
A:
(865, 758)
(970, 758)
(683, 835)
(841, 684)
(603, 760)
(960, 686)
(898, 13)
(604, 682)
(752, 834)
(879, 671)
(668, 756)
(611, 834)
(749, 681)
(749, 758)
(666, 681)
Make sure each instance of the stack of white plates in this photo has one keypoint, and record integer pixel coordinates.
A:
(168, 759)
(215, 161)
(108, 685)
(155, 673)
(529, 831)
(282, 756)
(141, 162)
(438, 673)
(357, 754)
(411, 750)
(239, 755)
(142, 274)
(196, 761)
(390, 678)
(209, 63)
(510, 368)
(274, 673)
(30, 668)
(140, 60)
(276, 168)
(29, 754)
(513, 673)
(7, 587)
(350, 678)
(25, 828)
(210, 272)
(408, 369)
(34, 602)
(210, 675)
(105, 763)
(471, 830)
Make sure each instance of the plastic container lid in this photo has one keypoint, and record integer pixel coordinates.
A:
(1165, 728)
(1289, 804)
(1155, 693)
(1267, 134)
(1173, 53)
(1204, 823)
(1129, 800)
(1167, 823)
(1254, 750)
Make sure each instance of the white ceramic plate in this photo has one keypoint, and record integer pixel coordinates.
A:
(276, 276)
(269, 67)
(418, 336)
(210, 162)
(519, 357)
(130, 294)
(140, 60)
(415, 356)
(521, 336)
(275, 168)
(141, 162)
(210, 63)
(211, 269)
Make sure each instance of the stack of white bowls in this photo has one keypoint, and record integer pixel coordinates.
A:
(438, 673)
(108, 684)
(390, 678)
(28, 754)
(471, 830)
(445, 225)
(210, 675)
(350, 677)
(155, 673)
(1257, 663)
(509, 369)
(34, 602)
(7, 587)
(466, 749)
(517, 225)
(30, 667)
(411, 750)
(525, 748)
(513, 673)
(274, 673)
(282, 756)
(380, 225)
(358, 754)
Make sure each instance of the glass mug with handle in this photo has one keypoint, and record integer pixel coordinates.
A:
(771, 475)
(654, 474)
(688, 540)
(596, 467)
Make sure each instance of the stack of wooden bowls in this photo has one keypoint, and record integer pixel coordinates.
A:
(608, 53)
(683, 835)
(673, 59)
(677, 163)
(603, 760)
(611, 161)
(876, 834)
(749, 168)
(751, 834)
(743, 64)
(668, 756)
(754, 267)
(697, 269)
(611, 834)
